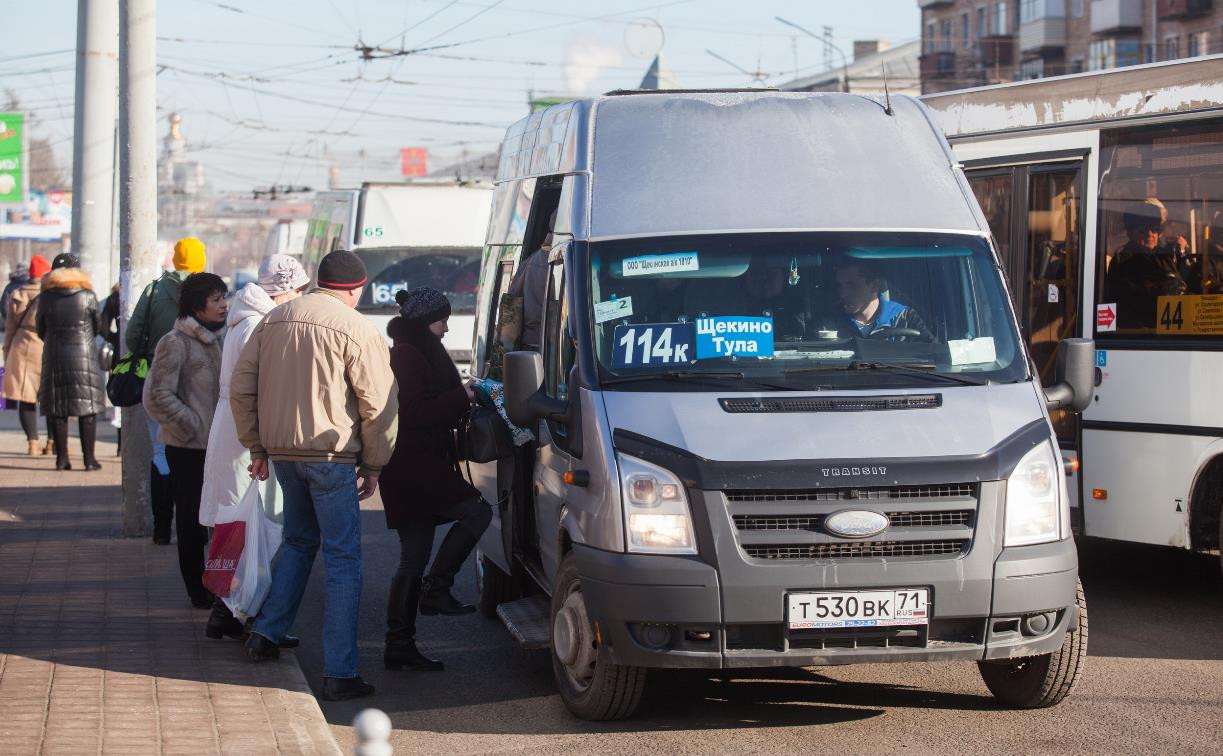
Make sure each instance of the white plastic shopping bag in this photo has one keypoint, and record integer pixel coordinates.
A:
(252, 571)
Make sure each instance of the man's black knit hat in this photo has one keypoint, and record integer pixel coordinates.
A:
(341, 270)
(423, 305)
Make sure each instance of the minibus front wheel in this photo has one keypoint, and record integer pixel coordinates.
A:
(1035, 682)
(591, 685)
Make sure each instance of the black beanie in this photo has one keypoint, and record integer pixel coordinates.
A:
(65, 260)
(423, 305)
(341, 270)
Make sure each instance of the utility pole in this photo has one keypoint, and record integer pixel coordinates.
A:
(138, 223)
(828, 47)
(93, 143)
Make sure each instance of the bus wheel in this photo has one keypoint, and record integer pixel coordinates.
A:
(591, 686)
(494, 585)
(1035, 682)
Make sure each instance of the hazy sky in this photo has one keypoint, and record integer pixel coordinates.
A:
(273, 91)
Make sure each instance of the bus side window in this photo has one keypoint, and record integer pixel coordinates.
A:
(558, 343)
(494, 354)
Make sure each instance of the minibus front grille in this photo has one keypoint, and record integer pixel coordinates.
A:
(831, 403)
(936, 519)
(945, 491)
(859, 549)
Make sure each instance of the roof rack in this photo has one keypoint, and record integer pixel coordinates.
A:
(622, 92)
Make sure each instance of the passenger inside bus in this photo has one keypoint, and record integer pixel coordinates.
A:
(866, 312)
(1146, 266)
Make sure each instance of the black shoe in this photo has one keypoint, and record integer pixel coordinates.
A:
(260, 649)
(223, 624)
(203, 602)
(405, 654)
(345, 688)
(290, 641)
(161, 540)
(63, 464)
(439, 600)
(92, 464)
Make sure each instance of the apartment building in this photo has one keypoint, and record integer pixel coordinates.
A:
(969, 43)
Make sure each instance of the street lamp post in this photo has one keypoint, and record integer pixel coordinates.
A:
(809, 33)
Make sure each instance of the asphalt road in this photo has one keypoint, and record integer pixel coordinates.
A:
(1153, 682)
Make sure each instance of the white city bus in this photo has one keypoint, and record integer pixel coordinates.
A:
(409, 234)
(1104, 192)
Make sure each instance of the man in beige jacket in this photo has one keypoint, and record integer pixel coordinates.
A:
(313, 391)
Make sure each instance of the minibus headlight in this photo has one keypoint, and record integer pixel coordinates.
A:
(656, 515)
(1035, 499)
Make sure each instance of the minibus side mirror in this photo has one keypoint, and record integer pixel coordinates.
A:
(525, 400)
(1074, 376)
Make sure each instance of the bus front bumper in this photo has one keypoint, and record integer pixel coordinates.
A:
(668, 612)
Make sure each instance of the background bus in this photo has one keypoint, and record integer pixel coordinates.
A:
(421, 233)
(1104, 193)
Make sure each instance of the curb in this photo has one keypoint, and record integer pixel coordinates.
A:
(304, 728)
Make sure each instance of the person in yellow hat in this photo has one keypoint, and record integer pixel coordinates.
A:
(154, 317)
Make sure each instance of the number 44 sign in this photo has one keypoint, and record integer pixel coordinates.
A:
(647, 344)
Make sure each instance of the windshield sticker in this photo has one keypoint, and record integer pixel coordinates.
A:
(613, 309)
(976, 351)
(647, 344)
(676, 262)
(734, 336)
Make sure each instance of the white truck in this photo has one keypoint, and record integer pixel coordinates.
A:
(410, 234)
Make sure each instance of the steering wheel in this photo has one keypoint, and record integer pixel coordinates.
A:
(888, 332)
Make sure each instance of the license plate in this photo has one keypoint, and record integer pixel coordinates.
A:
(815, 611)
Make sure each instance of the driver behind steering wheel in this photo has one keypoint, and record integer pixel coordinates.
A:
(865, 313)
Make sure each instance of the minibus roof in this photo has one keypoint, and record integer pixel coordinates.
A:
(666, 163)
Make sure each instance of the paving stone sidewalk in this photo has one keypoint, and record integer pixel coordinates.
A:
(100, 650)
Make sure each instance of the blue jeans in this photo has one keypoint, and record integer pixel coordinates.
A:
(320, 506)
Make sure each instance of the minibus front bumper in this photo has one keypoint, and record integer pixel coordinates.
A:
(674, 612)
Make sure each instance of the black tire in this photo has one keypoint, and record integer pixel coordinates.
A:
(494, 585)
(607, 691)
(1036, 682)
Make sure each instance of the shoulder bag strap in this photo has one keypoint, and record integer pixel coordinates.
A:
(26, 314)
(148, 312)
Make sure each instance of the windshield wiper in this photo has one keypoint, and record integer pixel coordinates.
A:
(926, 370)
(691, 375)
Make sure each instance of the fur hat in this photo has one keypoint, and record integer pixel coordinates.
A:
(423, 305)
(341, 270)
(280, 274)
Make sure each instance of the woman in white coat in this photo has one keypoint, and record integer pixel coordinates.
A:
(281, 278)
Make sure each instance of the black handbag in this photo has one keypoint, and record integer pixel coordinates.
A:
(484, 437)
(125, 386)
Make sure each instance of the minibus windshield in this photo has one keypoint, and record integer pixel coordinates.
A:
(801, 311)
(455, 271)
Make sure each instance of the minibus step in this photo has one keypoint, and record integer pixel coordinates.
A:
(527, 620)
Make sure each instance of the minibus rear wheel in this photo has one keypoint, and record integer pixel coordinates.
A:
(1036, 682)
(591, 685)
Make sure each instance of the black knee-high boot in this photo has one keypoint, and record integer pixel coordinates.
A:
(455, 547)
(89, 439)
(401, 648)
(59, 435)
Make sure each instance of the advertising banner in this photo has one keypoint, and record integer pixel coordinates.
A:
(13, 153)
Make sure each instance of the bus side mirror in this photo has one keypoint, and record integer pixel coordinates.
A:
(525, 400)
(1074, 376)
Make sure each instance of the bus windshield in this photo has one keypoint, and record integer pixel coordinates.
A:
(454, 271)
(802, 311)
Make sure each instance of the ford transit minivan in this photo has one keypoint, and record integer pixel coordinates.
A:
(782, 413)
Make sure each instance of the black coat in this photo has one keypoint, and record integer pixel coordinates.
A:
(422, 479)
(68, 321)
